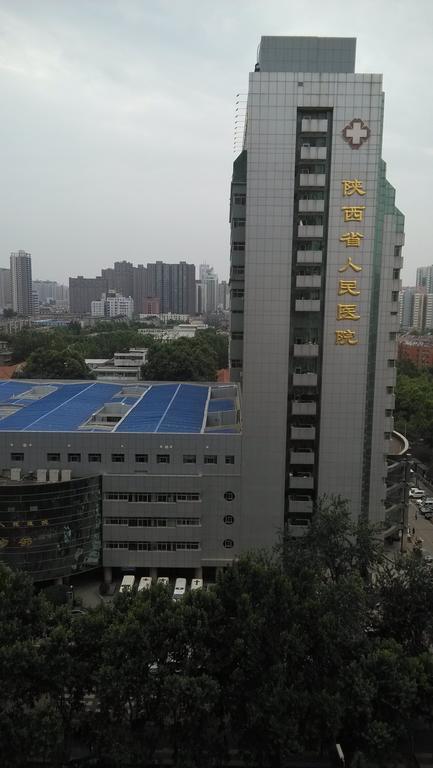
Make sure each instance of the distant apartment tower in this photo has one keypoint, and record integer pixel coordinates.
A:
(209, 288)
(315, 278)
(173, 285)
(424, 278)
(84, 290)
(21, 283)
(5, 289)
(49, 291)
(223, 295)
(415, 309)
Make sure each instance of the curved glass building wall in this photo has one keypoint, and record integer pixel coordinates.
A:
(51, 530)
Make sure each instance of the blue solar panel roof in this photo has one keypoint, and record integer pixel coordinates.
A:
(51, 406)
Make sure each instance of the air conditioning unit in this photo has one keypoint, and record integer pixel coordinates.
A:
(41, 475)
(53, 475)
(16, 473)
(66, 475)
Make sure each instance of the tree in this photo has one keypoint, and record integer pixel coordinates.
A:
(50, 364)
(181, 360)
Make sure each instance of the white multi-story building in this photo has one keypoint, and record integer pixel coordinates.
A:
(315, 278)
(113, 305)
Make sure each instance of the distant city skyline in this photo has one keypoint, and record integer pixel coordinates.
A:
(119, 119)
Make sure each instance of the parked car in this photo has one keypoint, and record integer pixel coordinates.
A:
(416, 493)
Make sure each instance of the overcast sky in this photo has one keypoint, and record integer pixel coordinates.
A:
(118, 121)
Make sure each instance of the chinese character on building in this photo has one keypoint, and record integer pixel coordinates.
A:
(346, 337)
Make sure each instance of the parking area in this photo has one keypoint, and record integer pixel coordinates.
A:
(87, 590)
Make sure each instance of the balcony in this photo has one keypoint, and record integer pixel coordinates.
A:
(308, 257)
(311, 206)
(302, 433)
(308, 281)
(307, 305)
(308, 349)
(310, 230)
(302, 457)
(313, 125)
(307, 379)
(299, 408)
(307, 482)
(296, 531)
(236, 302)
(312, 179)
(303, 506)
(313, 153)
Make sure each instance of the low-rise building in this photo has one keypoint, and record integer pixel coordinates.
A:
(157, 464)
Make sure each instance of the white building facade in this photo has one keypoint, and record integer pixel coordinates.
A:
(113, 305)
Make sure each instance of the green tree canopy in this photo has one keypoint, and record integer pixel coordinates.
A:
(322, 641)
(181, 360)
(52, 364)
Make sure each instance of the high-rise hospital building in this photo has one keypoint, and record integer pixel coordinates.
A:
(315, 277)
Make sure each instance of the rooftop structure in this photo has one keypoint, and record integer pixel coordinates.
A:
(29, 406)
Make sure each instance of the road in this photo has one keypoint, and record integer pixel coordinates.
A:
(423, 527)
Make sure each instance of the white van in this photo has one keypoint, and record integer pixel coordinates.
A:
(127, 584)
(196, 584)
(144, 583)
(163, 580)
(179, 589)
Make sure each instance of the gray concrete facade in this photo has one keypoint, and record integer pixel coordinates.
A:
(317, 405)
(193, 505)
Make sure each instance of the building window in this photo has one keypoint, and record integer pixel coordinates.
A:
(238, 223)
(94, 457)
(230, 459)
(387, 435)
(229, 496)
(397, 251)
(394, 295)
(390, 390)
(141, 458)
(228, 543)
(74, 457)
(238, 245)
(118, 458)
(189, 458)
(53, 456)
(237, 335)
(391, 363)
(17, 457)
(229, 519)
(239, 199)
(396, 274)
(238, 293)
(141, 498)
(163, 458)
(238, 271)
(211, 459)
(392, 336)
(236, 363)
(388, 412)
